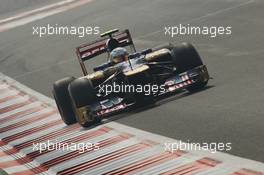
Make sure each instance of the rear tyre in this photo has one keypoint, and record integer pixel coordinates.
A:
(63, 100)
(83, 95)
(185, 57)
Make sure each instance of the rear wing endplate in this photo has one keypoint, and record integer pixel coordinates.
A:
(98, 47)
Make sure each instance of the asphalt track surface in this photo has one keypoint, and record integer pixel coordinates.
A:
(229, 110)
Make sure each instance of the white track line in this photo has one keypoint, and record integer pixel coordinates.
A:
(40, 13)
(31, 12)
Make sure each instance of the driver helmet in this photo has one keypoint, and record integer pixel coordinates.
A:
(118, 55)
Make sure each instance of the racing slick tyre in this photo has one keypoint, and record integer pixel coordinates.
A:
(83, 95)
(185, 57)
(63, 100)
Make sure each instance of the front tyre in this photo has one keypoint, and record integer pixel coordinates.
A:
(83, 95)
(63, 100)
(185, 57)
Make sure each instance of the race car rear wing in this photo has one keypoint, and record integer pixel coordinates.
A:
(98, 47)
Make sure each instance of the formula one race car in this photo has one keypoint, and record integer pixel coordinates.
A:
(126, 79)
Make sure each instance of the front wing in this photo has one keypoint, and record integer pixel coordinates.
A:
(173, 84)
